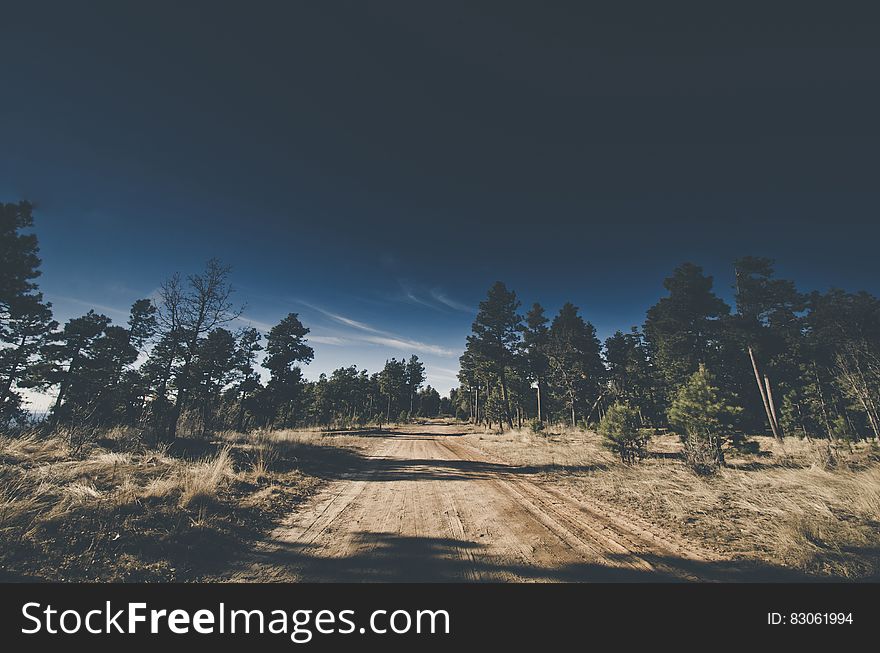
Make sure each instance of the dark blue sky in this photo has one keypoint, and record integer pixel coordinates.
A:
(376, 166)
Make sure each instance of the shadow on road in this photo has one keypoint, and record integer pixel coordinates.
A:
(385, 557)
(340, 463)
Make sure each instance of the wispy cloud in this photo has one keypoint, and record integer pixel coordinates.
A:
(370, 334)
(434, 298)
(342, 319)
(451, 303)
(328, 340)
(409, 295)
(56, 299)
(256, 324)
(409, 345)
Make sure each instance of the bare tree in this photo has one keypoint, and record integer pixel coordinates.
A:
(188, 312)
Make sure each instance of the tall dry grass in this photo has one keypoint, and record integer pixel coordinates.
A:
(87, 510)
(801, 504)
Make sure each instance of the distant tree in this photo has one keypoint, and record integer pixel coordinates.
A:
(142, 323)
(104, 394)
(96, 393)
(286, 349)
(574, 355)
(189, 311)
(536, 339)
(704, 419)
(393, 385)
(620, 427)
(631, 376)
(346, 393)
(429, 402)
(843, 331)
(25, 319)
(475, 377)
(247, 382)
(18, 251)
(683, 329)
(27, 329)
(496, 338)
(213, 368)
(415, 377)
(768, 329)
(70, 358)
(449, 404)
(158, 372)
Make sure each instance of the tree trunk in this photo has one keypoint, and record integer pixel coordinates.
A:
(772, 405)
(763, 395)
(504, 397)
(476, 405)
(7, 387)
(540, 416)
(62, 388)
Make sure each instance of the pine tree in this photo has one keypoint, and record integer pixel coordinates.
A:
(248, 379)
(496, 338)
(683, 329)
(25, 319)
(27, 330)
(429, 402)
(704, 419)
(393, 384)
(620, 427)
(18, 252)
(536, 338)
(631, 377)
(415, 377)
(69, 358)
(575, 359)
(286, 349)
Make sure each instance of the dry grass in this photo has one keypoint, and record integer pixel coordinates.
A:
(797, 504)
(119, 508)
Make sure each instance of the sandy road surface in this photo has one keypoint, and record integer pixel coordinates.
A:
(425, 506)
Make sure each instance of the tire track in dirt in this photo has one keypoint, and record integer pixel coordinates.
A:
(424, 506)
(610, 528)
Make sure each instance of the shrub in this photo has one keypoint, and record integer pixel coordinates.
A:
(620, 430)
(536, 426)
(703, 418)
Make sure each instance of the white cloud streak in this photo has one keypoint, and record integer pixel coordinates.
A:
(409, 345)
(451, 303)
(375, 336)
(55, 299)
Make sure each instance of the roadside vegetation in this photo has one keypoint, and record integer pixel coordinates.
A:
(809, 506)
(123, 509)
(753, 429)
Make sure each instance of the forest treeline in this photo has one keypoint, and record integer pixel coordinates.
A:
(177, 364)
(780, 361)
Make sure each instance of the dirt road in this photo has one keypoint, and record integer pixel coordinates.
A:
(425, 506)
